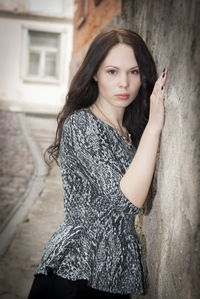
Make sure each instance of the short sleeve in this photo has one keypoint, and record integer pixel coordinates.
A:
(82, 139)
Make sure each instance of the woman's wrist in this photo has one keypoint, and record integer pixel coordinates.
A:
(153, 131)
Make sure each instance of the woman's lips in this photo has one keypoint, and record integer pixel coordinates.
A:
(123, 96)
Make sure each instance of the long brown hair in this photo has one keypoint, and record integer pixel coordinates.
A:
(83, 90)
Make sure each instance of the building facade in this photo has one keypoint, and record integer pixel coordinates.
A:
(35, 52)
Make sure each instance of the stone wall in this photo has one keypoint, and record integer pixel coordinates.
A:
(170, 224)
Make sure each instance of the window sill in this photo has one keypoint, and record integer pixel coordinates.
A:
(42, 81)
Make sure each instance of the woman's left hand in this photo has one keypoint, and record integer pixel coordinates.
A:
(157, 109)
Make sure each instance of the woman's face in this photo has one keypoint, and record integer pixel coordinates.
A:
(118, 77)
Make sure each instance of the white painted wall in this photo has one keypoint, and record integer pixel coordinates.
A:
(52, 7)
(61, 8)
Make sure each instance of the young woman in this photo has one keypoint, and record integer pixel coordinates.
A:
(107, 140)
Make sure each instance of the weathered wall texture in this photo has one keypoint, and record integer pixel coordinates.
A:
(95, 17)
(171, 220)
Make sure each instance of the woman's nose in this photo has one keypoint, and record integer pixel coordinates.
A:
(123, 80)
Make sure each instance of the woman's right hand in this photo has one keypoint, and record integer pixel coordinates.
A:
(157, 107)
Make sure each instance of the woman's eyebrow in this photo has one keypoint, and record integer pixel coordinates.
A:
(134, 67)
(119, 68)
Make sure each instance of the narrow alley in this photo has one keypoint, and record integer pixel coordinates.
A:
(20, 259)
(42, 46)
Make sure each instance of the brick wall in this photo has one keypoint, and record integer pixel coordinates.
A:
(93, 19)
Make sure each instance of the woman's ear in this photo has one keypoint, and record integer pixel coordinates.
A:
(95, 78)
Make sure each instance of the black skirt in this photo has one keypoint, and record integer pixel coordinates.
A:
(52, 286)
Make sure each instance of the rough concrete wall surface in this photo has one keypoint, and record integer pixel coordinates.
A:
(170, 223)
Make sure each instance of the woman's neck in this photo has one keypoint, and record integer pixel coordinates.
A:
(113, 116)
(112, 113)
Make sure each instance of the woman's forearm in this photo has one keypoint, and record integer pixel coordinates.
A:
(136, 181)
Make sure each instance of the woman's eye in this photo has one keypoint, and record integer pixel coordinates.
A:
(135, 72)
(112, 72)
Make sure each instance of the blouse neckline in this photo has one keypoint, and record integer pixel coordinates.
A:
(103, 122)
(106, 124)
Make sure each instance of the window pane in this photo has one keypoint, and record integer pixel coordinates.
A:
(50, 64)
(34, 60)
(43, 39)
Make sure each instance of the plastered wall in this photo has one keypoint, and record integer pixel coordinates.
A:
(170, 224)
(90, 18)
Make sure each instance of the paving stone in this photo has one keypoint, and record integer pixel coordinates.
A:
(23, 255)
(16, 163)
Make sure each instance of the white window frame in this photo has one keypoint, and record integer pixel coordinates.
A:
(25, 55)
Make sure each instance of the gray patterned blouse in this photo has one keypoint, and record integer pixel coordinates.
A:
(97, 241)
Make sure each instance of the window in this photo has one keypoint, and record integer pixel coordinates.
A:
(43, 50)
(45, 53)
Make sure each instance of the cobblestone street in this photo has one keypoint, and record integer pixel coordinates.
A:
(20, 260)
(16, 165)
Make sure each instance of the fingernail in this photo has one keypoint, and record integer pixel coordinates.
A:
(162, 87)
(163, 75)
(163, 70)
